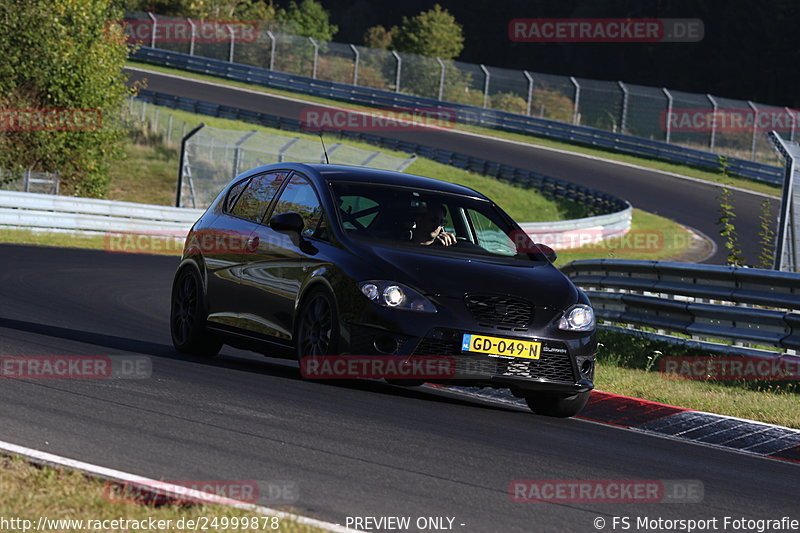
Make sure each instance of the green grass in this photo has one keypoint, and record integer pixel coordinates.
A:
(716, 177)
(30, 492)
(652, 238)
(629, 365)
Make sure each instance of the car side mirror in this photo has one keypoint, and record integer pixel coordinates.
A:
(548, 252)
(290, 221)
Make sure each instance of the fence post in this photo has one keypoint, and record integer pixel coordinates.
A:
(713, 139)
(27, 180)
(144, 113)
(355, 63)
(233, 43)
(530, 91)
(316, 57)
(237, 151)
(182, 162)
(169, 130)
(441, 77)
(668, 118)
(397, 75)
(755, 129)
(486, 78)
(285, 148)
(623, 119)
(154, 126)
(194, 34)
(271, 50)
(153, 31)
(576, 105)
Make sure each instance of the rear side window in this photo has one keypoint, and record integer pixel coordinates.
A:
(253, 202)
(234, 194)
(299, 196)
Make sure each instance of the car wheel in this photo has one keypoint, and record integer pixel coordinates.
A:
(317, 325)
(549, 404)
(187, 319)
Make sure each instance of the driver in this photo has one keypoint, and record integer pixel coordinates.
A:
(428, 227)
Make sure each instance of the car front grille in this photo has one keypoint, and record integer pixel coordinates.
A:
(499, 311)
(554, 363)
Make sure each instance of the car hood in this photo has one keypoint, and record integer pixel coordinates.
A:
(452, 276)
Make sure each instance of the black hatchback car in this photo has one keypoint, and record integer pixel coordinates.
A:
(325, 261)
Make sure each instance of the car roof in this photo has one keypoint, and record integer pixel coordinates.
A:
(342, 173)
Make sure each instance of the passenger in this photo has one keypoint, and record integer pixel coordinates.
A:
(428, 228)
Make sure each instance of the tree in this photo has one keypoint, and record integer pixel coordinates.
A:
(62, 72)
(308, 19)
(431, 33)
(379, 37)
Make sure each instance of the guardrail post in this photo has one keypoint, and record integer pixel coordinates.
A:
(356, 57)
(233, 43)
(194, 35)
(485, 86)
(271, 50)
(715, 108)
(793, 120)
(397, 71)
(576, 104)
(441, 78)
(26, 179)
(623, 119)
(316, 58)
(668, 117)
(530, 91)
(755, 130)
(237, 151)
(153, 31)
(182, 162)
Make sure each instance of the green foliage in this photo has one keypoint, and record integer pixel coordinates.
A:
(309, 19)
(431, 33)
(767, 236)
(728, 228)
(62, 58)
(379, 37)
(508, 102)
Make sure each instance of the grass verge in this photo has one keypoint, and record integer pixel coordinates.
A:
(629, 365)
(715, 177)
(29, 492)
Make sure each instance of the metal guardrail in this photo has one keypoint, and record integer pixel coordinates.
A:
(466, 114)
(751, 307)
(44, 212)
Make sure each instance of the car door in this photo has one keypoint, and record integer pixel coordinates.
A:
(226, 245)
(273, 274)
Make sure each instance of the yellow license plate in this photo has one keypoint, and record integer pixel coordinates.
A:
(500, 346)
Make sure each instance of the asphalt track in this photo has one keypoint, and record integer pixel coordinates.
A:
(694, 204)
(365, 449)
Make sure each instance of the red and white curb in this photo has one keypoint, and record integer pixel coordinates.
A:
(165, 490)
(748, 436)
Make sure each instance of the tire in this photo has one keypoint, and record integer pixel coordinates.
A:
(187, 318)
(317, 331)
(549, 404)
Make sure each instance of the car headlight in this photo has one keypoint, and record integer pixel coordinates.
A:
(579, 317)
(396, 296)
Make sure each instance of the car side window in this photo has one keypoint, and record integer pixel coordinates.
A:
(299, 196)
(234, 194)
(490, 236)
(252, 204)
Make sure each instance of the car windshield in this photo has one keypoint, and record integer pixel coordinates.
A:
(430, 220)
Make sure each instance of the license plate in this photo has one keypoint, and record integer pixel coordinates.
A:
(500, 346)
